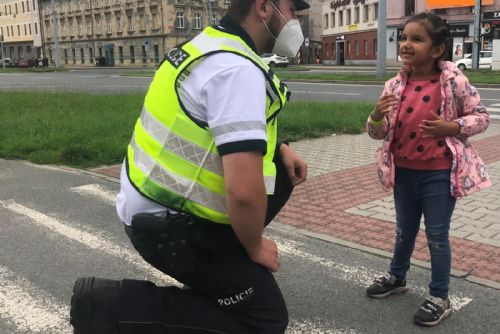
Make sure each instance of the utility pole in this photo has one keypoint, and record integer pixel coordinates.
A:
(3, 51)
(209, 12)
(477, 35)
(381, 37)
(54, 35)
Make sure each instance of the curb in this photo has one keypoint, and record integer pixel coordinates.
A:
(422, 264)
(372, 83)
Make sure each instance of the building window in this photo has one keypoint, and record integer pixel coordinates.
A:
(156, 54)
(332, 19)
(129, 21)
(366, 13)
(110, 29)
(36, 28)
(356, 48)
(132, 54)
(326, 21)
(118, 23)
(120, 54)
(213, 20)
(89, 28)
(66, 56)
(197, 21)
(356, 15)
(366, 47)
(341, 18)
(375, 46)
(82, 56)
(154, 20)
(180, 20)
(142, 22)
(348, 17)
(144, 57)
(375, 11)
(409, 7)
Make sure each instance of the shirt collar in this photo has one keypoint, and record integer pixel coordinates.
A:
(229, 25)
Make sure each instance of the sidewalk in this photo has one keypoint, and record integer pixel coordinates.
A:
(343, 202)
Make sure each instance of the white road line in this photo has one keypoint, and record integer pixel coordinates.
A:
(360, 276)
(96, 190)
(91, 240)
(29, 309)
(316, 326)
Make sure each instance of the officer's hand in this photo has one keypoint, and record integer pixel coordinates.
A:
(267, 255)
(295, 166)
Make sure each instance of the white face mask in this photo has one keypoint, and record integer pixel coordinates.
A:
(289, 39)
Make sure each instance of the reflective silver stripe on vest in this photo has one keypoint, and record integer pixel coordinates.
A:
(269, 182)
(180, 146)
(237, 127)
(184, 187)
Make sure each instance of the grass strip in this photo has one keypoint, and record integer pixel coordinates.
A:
(90, 130)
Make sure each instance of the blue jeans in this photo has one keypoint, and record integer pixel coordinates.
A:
(418, 192)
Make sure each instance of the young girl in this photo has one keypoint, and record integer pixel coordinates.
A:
(425, 115)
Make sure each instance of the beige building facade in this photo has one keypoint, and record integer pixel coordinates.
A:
(123, 32)
(20, 29)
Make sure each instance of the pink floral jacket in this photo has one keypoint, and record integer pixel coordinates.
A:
(459, 102)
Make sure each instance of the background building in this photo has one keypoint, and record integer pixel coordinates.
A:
(460, 18)
(20, 29)
(124, 32)
(350, 32)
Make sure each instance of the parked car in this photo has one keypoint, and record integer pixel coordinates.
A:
(23, 63)
(8, 62)
(274, 60)
(484, 61)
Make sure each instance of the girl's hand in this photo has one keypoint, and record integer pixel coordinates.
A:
(437, 126)
(384, 105)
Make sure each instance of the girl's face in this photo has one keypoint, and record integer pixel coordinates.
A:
(416, 47)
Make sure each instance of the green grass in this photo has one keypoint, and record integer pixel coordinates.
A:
(73, 129)
(85, 130)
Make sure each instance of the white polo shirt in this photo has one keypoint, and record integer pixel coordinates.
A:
(227, 92)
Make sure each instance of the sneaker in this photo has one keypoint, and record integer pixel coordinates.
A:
(94, 306)
(432, 311)
(385, 286)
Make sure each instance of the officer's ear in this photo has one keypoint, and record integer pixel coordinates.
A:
(264, 9)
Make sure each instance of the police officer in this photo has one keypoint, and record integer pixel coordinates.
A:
(204, 173)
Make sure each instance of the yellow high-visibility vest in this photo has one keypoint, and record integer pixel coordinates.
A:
(174, 161)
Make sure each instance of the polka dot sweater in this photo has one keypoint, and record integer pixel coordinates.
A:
(410, 149)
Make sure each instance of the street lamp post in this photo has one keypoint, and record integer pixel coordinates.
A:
(54, 35)
(381, 37)
(3, 51)
(477, 35)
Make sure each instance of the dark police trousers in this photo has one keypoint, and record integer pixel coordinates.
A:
(228, 292)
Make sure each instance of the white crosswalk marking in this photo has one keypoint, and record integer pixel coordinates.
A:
(28, 309)
(357, 275)
(97, 191)
(494, 111)
(87, 239)
(31, 310)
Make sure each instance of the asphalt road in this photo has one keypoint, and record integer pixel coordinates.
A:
(57, 225)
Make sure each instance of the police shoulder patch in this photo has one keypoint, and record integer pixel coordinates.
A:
(176, 56)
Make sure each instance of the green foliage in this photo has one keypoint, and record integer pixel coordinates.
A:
(90, 130)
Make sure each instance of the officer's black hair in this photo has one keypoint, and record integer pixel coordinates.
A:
(437, 28)
(239, 9)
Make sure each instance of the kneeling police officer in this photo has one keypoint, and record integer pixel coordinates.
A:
(203, 175)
